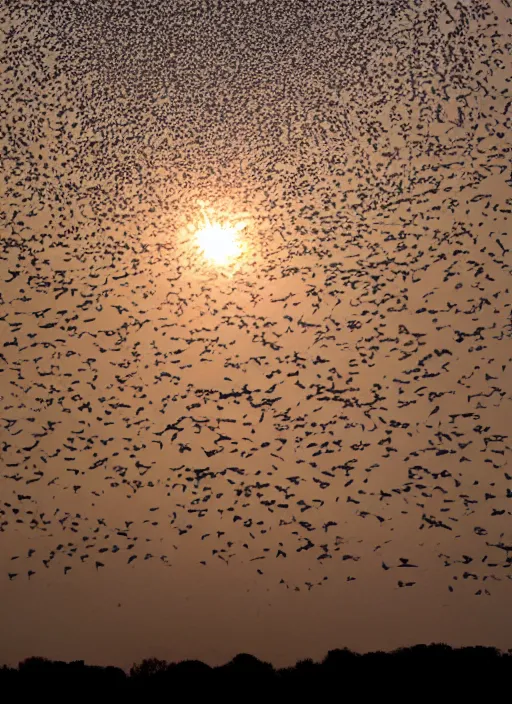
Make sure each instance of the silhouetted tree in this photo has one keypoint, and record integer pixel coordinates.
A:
(8, 676)
(149, 668)
(337, 660)
(246, 667)
(34, 664)
(192, 669)
(307, 668)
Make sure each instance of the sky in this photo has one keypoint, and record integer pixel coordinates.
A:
(299, 447)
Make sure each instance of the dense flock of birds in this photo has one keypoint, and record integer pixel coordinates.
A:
(337, 399)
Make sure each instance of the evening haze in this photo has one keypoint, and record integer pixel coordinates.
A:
(255, 328)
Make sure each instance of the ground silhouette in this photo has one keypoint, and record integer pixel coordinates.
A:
(432, 667)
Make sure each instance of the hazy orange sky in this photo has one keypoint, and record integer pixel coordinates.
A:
(305, 447)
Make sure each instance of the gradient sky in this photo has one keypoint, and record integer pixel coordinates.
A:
(175, 433)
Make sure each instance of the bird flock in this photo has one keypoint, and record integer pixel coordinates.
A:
(336, 402)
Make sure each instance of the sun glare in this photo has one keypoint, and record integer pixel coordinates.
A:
(220, 243)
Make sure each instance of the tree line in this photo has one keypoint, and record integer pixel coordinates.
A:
(426, 664)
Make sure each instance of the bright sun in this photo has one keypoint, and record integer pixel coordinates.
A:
(218, 242)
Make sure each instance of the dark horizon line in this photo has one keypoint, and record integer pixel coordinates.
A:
(151, 666)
